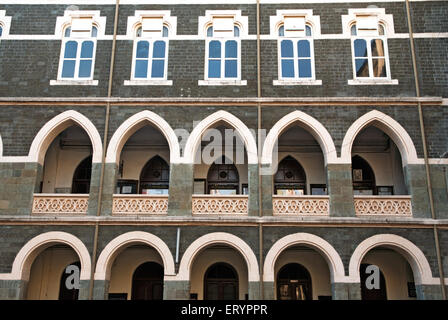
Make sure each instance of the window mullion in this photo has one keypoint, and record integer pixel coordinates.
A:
(78, 58)
(369, 57)
(150, 58)
(295, 56)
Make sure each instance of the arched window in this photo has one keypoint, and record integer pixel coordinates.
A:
(294, 283)
(81, 177)
(1, 30)
(363, 177)
(296, 54)
(369, 51)
(147, 282)
(155, 176)
(150, 54)
(290, 178)
(223, 178)
(78, 53)
(221, 282)
(64, 292)
(223, 54)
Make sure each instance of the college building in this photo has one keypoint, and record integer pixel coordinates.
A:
(211, 149)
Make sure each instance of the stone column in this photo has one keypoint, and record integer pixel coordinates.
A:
(429, 292)
(346, 291)
(254, 290)
(109, 185)
(176, 290)
(100, 289)
(83, 290)
(253, 189)
(181, 189)
(13, 289)
(439, 178)
(340, 190)
(94, 189)
(266, 195)
(269, 290)
(415, 177)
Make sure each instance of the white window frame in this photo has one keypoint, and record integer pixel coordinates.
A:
(5, 23)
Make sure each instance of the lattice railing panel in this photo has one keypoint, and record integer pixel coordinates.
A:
(383, 205)
(205, 204)
(139, 204)
(301, 205)
(60, 204)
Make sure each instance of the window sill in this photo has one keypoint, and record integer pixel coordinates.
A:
(73, 82)
(148, 82)
(221, 82)
(361, 82)
(297, 82)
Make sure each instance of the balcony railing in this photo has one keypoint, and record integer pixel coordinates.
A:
(139, 204)
(383, 206)
(60, 204)
(216, 204)
(300, 205)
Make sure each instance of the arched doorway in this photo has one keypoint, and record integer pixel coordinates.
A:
(81, 177)
(372, 294)
(155, 176)
(223, 178)
(147, 282)
(363, 177)
(290, 178)
(294, 283)
(64, 292)
(221, 282)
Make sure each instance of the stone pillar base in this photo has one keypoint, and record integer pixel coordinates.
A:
(176, 290)
(100, 289)
(13, 289)
(346, 291)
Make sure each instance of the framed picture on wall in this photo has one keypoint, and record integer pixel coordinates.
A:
(357, 174)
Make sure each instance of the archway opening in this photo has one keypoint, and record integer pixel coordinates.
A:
(67, 166)
(143, 166)
(48, 275)
(302, 274)
(377, 164)
(300, 163)
(396, 278)
(67, 291)
(223, 178)
(147, 282)
(219, 272)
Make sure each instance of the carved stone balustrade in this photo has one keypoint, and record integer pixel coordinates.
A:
(399, 206)
(300, 205)
(136, 204)
(60, 204)
(217, 204)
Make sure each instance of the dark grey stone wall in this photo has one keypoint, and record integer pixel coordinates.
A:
(415, 177)
(181, 189)
(340, 190)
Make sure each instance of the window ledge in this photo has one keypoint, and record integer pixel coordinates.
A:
(150, 82)
(222, 82)
(297, 82)
(360, 82)
(73, 82)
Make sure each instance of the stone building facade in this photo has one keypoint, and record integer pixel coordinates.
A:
(105, 116)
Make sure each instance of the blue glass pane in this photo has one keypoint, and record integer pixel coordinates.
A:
(85, 68)
(159, 49)
(304, 49)
(1, 31)
(308, 31)
(231, 49)
(87, 49)
(214, 49)
(231, 69)
(68, 69)
(281, 31)
(362, 67)
(236, 31)
(68, 31)
(70, 49)
(287, 49)
(360, 48)
(143, 49)
(305, 68)
(287, 68)
(94, 32)
(158, 68)
(214, 69)
(210, 32)
(141, 69)
(165, 32)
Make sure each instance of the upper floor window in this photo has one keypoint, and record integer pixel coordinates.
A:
(369, 50)
(296, 51)
(151, 50)
(78, 51)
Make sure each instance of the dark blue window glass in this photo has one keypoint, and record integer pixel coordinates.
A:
(215, 49)
(1, 31)
(143, 49)
(281, 31)
(304, 49)
(214, 68)
(159, 49)
(362, 67)
(68, 69)
(360, 48)
(158, 68)
(210, 32)
(287, 49)
(231, 69)
(165, 32)
(231, 49)
(85, 68)
(70, 50)
(305, 68)
(308, 31)
(141, 68)
(236, 31)
(87, 50)
(287, 68)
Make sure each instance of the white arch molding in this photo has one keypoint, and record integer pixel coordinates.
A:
(218, 238)
(113, 249)
(415, 257)
(196, 135)
(320, 245)
(314, 127)
(21, 266)
(389, 126)
(136, 122)
(55, 126)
